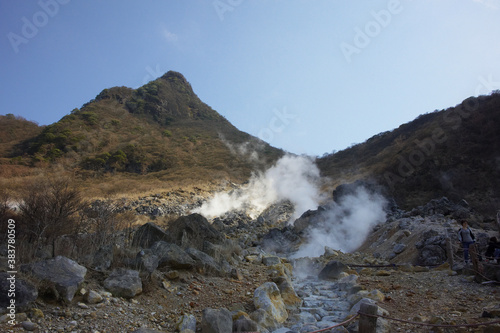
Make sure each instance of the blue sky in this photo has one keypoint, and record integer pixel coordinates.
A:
(308, 76)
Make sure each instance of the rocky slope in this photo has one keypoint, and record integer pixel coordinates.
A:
(224, 276)
(451, 153)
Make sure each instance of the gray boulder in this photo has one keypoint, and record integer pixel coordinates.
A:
(124, 283)
(148, 234)
(432, 249)
(306, 221)
(216, 321)
(172, 256)
(277, 213)
(147, 261)
(244, 324)
(332, 270)
(281, 241)
(186, 322)
(271, 310)
(25, 293)
(93, 297)
(271, 260)
(192, 231)
(63, 276)
(103, 258)
(431, 255)
(207, 264)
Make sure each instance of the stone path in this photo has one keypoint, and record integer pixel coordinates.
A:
(325, 304)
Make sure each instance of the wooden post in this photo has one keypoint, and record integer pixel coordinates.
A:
(475, 262)
(449, 252)
(368, 324)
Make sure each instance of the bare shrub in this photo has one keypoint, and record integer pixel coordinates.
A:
(48, 209)
(104, 220)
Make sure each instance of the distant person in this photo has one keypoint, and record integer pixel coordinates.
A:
(466, 237)
(493, 250)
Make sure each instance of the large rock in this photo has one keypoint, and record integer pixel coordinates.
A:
(93, 297)
(147, 261)
(216, 321)
(62, 276)
(271, 260)
(306, 221)
(277, 213)
(103, 258)
(431, 255)
(148, 234)
(281, 241)
(244, 324)
(271, 310)
(124, 283)
(172, 256)
(186, 322)
(432, 249)
(332, 270)
(25, 292)
(207, 264)
(288, 294)
(192, 231)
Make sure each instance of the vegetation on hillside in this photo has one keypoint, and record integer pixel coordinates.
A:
(452, 152)
(160, 127)
(162, 132)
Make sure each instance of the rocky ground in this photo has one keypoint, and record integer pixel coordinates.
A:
(434, 297)
(394, 268)
(161, 304)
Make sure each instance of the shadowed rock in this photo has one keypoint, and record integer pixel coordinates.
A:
(216, 321)
(148, 234)
(124, 283)
(172, 255)
(332, 270)
(63, 275)
(25, 292)
(192, 231)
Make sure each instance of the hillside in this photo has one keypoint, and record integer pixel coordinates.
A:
(14, 129)
(452, 152)
(132, 140)
(161, 131)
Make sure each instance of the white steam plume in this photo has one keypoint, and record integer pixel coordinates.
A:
(293, 178)
(346, 225)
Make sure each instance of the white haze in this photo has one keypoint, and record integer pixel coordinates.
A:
(346, 225)
(293, 178)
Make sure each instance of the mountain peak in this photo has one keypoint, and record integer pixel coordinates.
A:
(178, 80)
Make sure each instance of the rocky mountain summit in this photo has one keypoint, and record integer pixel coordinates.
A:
(236, 273)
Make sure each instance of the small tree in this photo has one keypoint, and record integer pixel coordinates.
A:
(48, 210)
